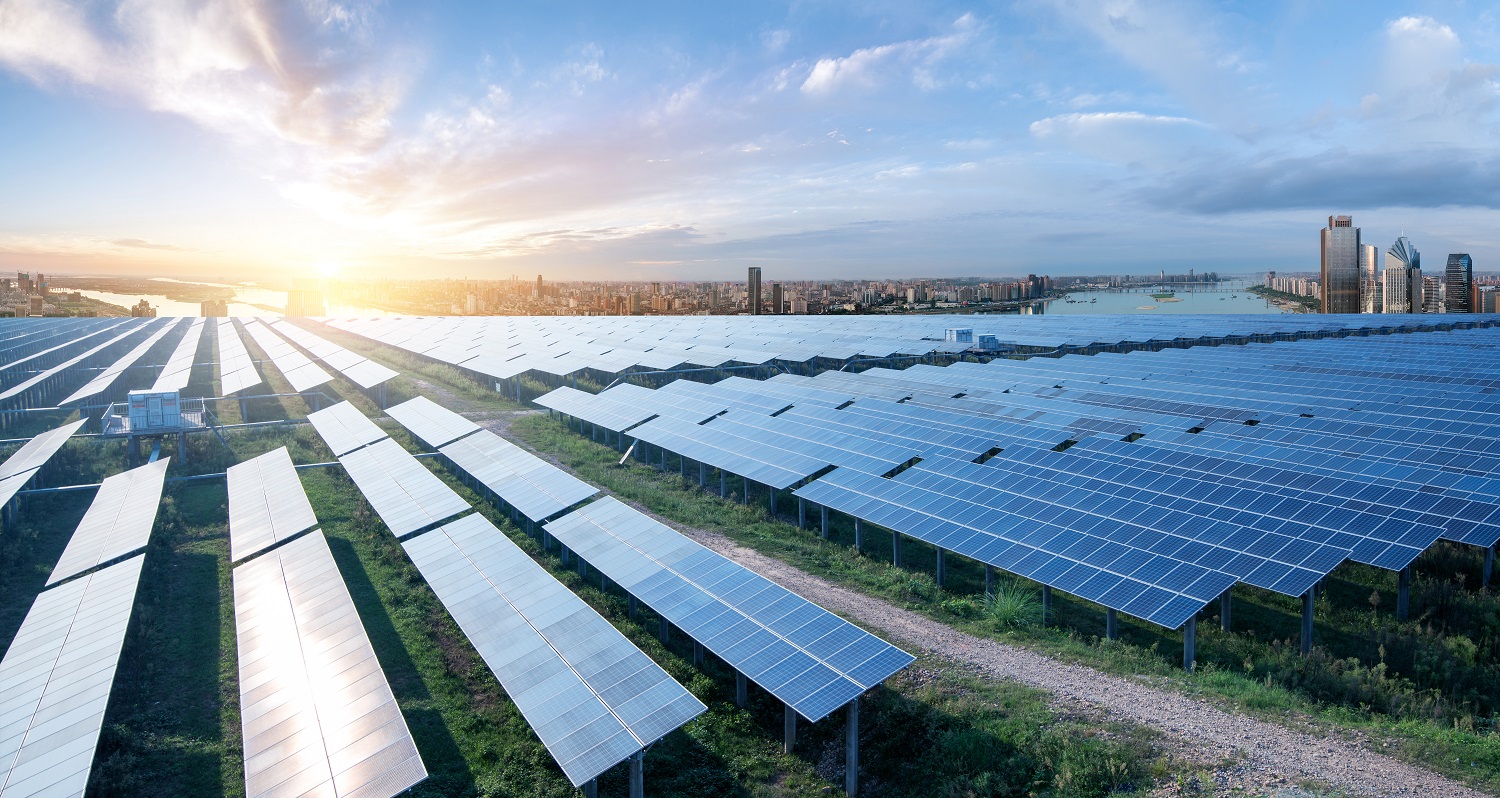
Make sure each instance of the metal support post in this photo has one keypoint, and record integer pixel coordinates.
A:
(665, 631)
(583, 568)
(702, 475)
(825, 522)
(697, 654)
(1403, 593)
(1111, 625)
(801, 513)
(859, 535)
(634, 606)
(1224, 611)
(1190, 643)
(989, 580)
(896, 549)
(851, 748)
(591, 789)
(723, 484)
(741, 690)
(637, 774)
(1046, 604)
(941, 567)
(790, 727)
(772, 501)
(745, 499)
(1489, 565)
(1307, 622)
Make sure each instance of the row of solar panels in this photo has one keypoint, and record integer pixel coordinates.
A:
(51, 365)
(810, 659)
(504, 347)
(362, 371)
(237, 371)
(1144, 508)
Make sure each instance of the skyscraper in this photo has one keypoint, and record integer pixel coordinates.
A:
(1460, 298)
(1369, 279)
(1340, 272)
(776, 298)
(752, 291)
(1402, 282)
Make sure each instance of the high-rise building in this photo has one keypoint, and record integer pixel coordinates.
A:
(1460, 297)
(752, 291)
(1402, 281)
(776, 298)
(1369, 279)
(1340, 262)
(1432, 296)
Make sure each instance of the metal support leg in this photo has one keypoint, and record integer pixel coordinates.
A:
(1190, 643)
(989, 580)
(746, 498)
(1307, 622)
(591, 789)
(941, 567)
(1046, 604)
(1489, 565)
(801, 513)
(896, 549)
(697, 654)
(859, 535)
(664, 632)
(1403, 593)
(772, 501)
(790, 727)
(702, 475)
(851, 748)
(1111, 625)
(634, 607)
(741, 690)
(723, 484)
(637, 774)
(825, 522)
(1224, 611)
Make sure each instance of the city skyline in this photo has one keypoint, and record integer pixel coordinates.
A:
(820, 142)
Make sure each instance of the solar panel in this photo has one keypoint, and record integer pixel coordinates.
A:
(36, 452)
(11, 485)
(405, 495)
(807, 657)
(536, 488)
(175, 375)
(117, 523)
(55, 682)
(303, 374)
(316, 712)
(434, 424)
(266, 504)
(106, 378)
(344, 428)
(41, 377)
(365, 373)
(591, 696)
(236, 370)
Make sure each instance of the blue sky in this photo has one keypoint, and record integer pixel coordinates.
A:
(816, 140)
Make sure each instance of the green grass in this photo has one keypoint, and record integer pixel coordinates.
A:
(1431, 699)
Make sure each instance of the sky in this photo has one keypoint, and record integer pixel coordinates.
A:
(249, 139)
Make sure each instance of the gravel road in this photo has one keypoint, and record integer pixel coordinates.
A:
(1207, 729)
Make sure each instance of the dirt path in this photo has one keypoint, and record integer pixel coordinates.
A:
(1209, 730)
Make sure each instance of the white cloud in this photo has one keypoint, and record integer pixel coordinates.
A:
(1064, 124)
(869, 67)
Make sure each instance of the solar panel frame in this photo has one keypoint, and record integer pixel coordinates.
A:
(267, 504)
(536, 488)
(343, 428)
(434, 424)
(405, 495)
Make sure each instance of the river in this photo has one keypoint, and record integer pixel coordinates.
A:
(1226, 297)
(244, 303)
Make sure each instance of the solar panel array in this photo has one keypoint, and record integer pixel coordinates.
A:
(1148, 482)
(266, 504)
(502, 347)
(344, 428)
(236, 370)
(592, 697)
(317, 714)
(302, 373)
(41, 380)
(106, 378)
(175, 375)
(536, 488)
(23, 464)
(364, 372)
(436, 425)
(55, 682)
(807, 657)
(117, 523)
(405, 495)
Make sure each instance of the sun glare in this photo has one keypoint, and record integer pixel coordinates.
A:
(326, 268)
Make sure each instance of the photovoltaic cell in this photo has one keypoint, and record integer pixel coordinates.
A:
(55, 682)
(591, 696)
(807, 657)
(536, 488)
(344, 428)
(405, 495)
(117, 523)
(436, 425)
(316, 712)
(266, 504)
